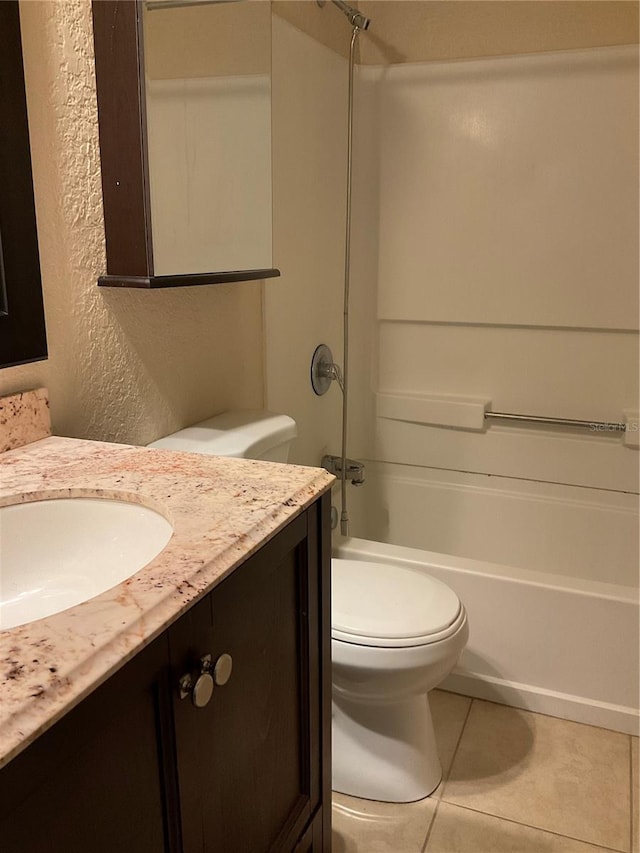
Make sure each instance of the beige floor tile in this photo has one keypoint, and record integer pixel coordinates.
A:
(365, 826)
(449, 711)
(552, 774)
(457, 830)
(635, 764)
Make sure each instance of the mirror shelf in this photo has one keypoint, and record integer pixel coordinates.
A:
(186, 280)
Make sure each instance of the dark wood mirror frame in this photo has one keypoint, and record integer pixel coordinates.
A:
(119, 57)
(23, 335)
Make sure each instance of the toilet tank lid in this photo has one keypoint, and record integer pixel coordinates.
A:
(244, 433)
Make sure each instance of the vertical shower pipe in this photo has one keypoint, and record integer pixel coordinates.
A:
(344, 515)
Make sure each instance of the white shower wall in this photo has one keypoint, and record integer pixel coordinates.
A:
(496, 257)
(303, 308)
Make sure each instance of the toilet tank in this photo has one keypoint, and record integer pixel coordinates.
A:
(249, 434)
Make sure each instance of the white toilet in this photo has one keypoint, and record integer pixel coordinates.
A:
(396, 633)
(247, 434)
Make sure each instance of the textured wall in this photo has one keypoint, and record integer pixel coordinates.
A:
(123, 365)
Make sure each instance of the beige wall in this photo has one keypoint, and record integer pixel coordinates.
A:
(304, 307)
(325, 25)
(426, 30)
(123, 365)
(207, 40)
(410, 31)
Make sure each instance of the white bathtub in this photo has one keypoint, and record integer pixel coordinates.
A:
(561, 646)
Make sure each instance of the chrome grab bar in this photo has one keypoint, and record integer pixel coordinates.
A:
(595, 426)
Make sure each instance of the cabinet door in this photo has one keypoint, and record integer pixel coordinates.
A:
(312, 840)
(99, 781)
(249, 761)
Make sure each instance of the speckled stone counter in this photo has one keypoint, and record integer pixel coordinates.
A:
(222, 511)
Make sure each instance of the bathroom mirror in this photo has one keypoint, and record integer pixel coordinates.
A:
(22, 326)
(184, 102)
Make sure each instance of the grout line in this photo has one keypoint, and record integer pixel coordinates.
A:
(457, 747)
(537, 828)
(445, 776)
(630, 794)
(430, 830)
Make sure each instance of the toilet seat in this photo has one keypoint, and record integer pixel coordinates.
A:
(389, 606)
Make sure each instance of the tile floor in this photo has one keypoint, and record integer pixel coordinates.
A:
(514, 782)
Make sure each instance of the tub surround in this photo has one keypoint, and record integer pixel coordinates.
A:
(585, 666)
(222, 511)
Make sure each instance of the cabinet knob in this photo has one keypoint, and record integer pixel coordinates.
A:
(222, 670)
(200, 690)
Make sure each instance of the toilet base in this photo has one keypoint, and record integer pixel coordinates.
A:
(385, 752)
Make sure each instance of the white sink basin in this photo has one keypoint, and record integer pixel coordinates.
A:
(57, 553)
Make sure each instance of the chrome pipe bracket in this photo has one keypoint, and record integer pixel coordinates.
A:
(354, 469)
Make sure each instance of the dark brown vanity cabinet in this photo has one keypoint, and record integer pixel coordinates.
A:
(249, 761)
(163, 758)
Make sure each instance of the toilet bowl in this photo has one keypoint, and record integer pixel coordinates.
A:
(396, 633)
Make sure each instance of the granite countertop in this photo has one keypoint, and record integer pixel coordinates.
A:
(222, 511)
